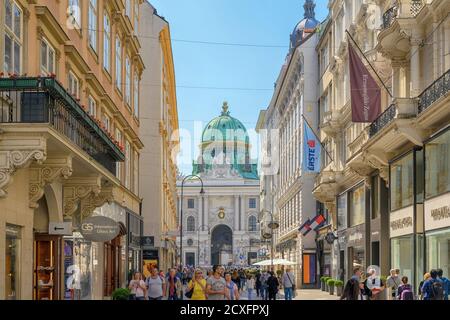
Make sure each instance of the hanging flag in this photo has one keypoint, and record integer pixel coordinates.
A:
(317, 222)
(311, 149)
(365, 92)
(305, 228)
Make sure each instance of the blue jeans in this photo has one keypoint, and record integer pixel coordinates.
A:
(249, 291)
(264, 293)
(140, 298)
(287, 293)
(174, 297)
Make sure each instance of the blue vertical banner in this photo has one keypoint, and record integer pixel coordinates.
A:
(311, 150)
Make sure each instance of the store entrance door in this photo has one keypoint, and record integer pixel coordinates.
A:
(46, 267)
(113, 266)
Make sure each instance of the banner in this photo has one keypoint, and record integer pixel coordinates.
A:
(365, 92)
(311, 150)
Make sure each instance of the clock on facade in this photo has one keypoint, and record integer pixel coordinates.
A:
(221, 213)
(190, 242)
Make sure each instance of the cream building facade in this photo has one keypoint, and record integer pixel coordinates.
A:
(382, 185)
(220, 226)
(159, 132)
(69, 145)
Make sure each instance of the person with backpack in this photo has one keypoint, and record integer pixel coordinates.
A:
(288, 282)
(272, 286)
(156, 286)
(393, 282)
(433, 289)
(426, 277)
(445, 282)
(405, 291)
(258, 284)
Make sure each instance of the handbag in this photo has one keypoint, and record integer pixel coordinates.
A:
(190, 292)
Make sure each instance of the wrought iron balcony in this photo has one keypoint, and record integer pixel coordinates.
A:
(44, 100)
(383, 120)
(435, 91)
(389, 17)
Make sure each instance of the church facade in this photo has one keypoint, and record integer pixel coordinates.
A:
(220, 225)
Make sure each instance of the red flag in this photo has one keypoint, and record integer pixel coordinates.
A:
(365, 92)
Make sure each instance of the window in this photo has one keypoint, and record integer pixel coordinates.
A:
(342, 211)
(128, 8)
(191, 224)
(92, 107)
(127, 165)
(357, 206)
(47, 57)
(74, 85)
(106, 122)
(136, 17)
(119, 164)
(252, 223)
(401, 184)
(324, 58)
(106, 43)
(252, 203)
(74, 12)
(118, 64)
(12, 62)
(12, 263)
(191, 204)
(136, 94)
(136, 172)
(93, 24)
(127, 81)
(375, 197)
(437, 171)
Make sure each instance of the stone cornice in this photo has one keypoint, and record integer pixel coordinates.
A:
(78, 188)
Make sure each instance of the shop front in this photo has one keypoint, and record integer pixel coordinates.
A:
(352, 247)
(135, 229)
(437, 202)
(406, 216)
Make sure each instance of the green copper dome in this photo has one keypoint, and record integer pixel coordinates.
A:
(225, 141)
(224, 128)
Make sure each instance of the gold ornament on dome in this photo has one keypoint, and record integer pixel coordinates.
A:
(221, 213)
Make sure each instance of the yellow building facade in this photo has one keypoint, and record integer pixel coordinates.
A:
(69, 145)
(159, 121)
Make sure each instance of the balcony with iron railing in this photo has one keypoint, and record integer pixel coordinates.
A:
(383, 120)
(406, 9)
(34, 100)
(434, 92)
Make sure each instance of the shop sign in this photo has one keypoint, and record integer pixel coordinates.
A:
(148, 242)
(437, 212)
(99, 229)
(355, 237)
(401, 222)
(60, 228)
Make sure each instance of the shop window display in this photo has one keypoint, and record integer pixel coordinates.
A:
(402, 255)
(438, 250)
(12, 263)
(46, 268)
(357, 206)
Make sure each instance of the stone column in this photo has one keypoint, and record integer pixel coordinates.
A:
(446, 45)
(396, 79)
(236, 212)
(199, 219)
(206, 212)
(242, 213)
(415, 68)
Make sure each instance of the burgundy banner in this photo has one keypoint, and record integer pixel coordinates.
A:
(365, 92)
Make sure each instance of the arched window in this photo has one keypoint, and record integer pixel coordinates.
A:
(191, 223)
(252, 223)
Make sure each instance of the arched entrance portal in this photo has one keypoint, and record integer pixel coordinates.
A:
(222, 245)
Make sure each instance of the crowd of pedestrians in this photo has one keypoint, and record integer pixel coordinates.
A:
(369, 286)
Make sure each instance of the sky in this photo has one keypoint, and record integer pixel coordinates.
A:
(208, 74)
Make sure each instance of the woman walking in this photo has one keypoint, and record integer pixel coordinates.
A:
(273, 286)
(250, 286)
(198, 284)
(137, 287)
(231, 289)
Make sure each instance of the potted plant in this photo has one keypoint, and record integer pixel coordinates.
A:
(330, 283)
(121, 294)
(322, 283)
(325, 280)
(339, 286)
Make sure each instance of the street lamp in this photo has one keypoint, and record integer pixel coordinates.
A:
(198, 241)
(181, 213)
(272, 226)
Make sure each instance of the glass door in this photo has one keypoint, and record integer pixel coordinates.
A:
(45, 268)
